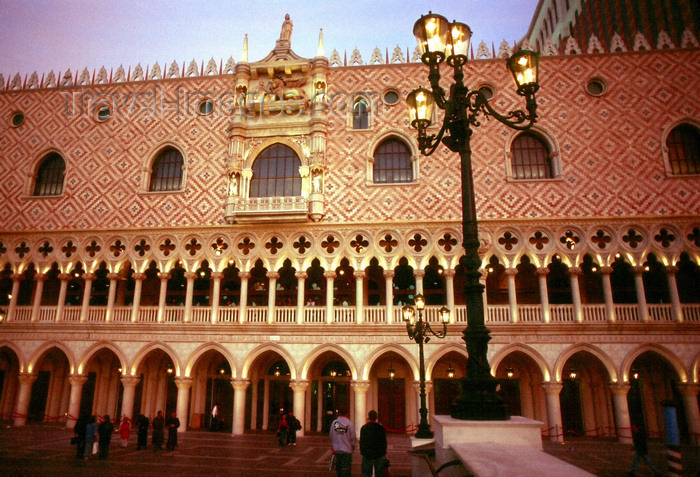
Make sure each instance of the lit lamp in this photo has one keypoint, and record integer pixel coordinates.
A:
(450, 372)
(392, 372)
(572, 373)
(418, 331)
(441, 41)
(510, 372)
(169, 369)
(2, 316)
(635, 374)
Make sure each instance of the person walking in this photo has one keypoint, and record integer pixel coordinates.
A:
(282, 429)
(158, 433)
(373, 447)
(214, 424)
(90, 434)
(79, 431)
(343, 439)
(104, 432)
(142, 433)
(639, 441)
(172, 424)
(124, 430)
(294, 426)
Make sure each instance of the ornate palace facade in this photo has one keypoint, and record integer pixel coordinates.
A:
(247, 232)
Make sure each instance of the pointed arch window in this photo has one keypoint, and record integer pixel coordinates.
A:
(683, 143)
(166, 172)
(530, 158)
(49, 177)
(276, 173)
(360, 116)
(392, 162)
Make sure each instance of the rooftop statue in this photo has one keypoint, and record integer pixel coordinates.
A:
(287, 26)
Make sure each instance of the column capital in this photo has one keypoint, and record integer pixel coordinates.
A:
(183, 383)
(619, 388)
(28, 378)
(330, 274)
(17, 277)
(638, 269)
(671, 269)
(359, 274)
(606, 270)
(542, 271)
(240, 384)
(301, 274)
(244, 275)
(112, 276)
(272, 275)
(688, 389)
(300, 385)
(164, 275)
(88, 276)
(575, 271)
(552, 387)
(64, 277)
(418, 273)
(77, 379)
(451, 272)
(138, 276)
(216, 275)
(130, 381)
(360, 386)
(389, 273)
(41, 277)
(511, 272)
(190, 275)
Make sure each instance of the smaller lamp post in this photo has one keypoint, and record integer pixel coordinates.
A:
(418, 331)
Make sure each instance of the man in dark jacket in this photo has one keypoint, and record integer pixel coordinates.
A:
(79, 430)
(104, 431)
(373, 447)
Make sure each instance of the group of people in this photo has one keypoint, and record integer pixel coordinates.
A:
(373, 445)
(87, 431)
(287, 429)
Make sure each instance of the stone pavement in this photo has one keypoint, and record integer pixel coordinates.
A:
(45, 450)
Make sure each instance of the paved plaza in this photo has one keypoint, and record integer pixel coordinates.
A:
(45, 450)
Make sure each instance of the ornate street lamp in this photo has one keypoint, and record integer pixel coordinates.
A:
(418, 331)
(439, 41)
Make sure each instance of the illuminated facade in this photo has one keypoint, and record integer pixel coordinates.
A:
(246, 232)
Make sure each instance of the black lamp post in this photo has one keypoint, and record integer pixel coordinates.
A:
(418, 331)
(441, 41)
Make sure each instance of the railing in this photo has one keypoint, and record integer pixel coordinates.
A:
(495, 314)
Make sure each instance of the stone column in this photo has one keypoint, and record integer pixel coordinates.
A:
(544, 293)
(254, 406)
(23, 395)
(360, 389)
(243, 305)
(671, 271)
(87, 290)
(555, 431)
(271, 295)
(512, 296)
(189, 293)
(238, 421)
(60, 306)
(183, 400)
(215, 295)
(138, 285)
(76, 393)
(162, 295)
(16, 279)
(299, 388)
(40, 278)
(389, 295)
(359, 296)
(266, 404)
(301, 283)
(112, 277)
(641, 298)
(574, 273)
(129, 383)
(689, 391)
(449, 275)
(330, 278)
(622, 413)
(607, 293)
(418, 275)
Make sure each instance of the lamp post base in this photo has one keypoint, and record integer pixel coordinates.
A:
(479, 401)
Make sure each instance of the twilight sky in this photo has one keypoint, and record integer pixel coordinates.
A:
(45, 35)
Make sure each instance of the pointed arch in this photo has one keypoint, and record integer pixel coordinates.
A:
(157, 345)
(316, 353)
(95, 348)
(530, 352)
(662, 351)
(210, 346)
(598, 353)
(39, 352)
(400, 350)
(262, 349)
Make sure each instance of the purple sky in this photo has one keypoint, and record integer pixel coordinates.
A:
(45, 35)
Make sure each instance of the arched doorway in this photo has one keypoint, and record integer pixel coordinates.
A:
(48, 401)
(269, 393)
(102, 392)
(156, 390)
(393, 376)
(330, 379)
(211, 386)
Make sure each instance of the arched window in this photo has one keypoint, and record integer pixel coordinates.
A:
(683, 144)
(360, 117)
(392, 162)
(276, 173)
(530, 158)
(49, 177)
(166, 172)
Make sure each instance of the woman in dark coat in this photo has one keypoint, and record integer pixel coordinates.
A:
(104, 431)
(142, 432)
(158, 435)
(172, 424)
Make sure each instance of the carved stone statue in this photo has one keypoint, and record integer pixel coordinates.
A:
(286, 28)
